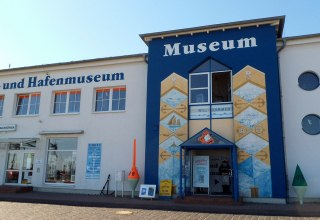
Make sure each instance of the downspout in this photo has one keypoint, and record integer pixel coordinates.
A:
(284, 44)
(146, 58)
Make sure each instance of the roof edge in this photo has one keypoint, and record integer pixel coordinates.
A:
(301, 37)
(142, 55)
(277, 21)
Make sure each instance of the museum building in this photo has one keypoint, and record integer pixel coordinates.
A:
(214, 109)
(66, 127)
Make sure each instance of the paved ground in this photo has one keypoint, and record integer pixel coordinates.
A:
(40, 205)
(13, 211)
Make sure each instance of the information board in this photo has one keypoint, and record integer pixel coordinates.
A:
(93, 161)
(165, 188)
(201, 171)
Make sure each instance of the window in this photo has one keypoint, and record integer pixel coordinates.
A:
(28, 104)
(102, 100)
(199, 88)
(1, 104)
(74, 101)
(66, 102)
(110, 99)
(308, 81)
(61, 160)
(118, 99)
(311, 124)
(19, 169)
(220, 87)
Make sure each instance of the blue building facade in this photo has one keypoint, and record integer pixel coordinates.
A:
(243, 56)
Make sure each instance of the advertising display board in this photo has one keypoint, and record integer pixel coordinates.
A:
(165, 188)
(147, 191)
(93, 161)
(201, 171)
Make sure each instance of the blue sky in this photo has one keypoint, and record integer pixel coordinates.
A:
(37, 32)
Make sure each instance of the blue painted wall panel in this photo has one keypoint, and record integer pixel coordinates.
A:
(263, 57)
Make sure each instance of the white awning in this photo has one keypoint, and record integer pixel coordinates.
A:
(61, 132)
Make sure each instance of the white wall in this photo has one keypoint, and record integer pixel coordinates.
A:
(115, 131)
(298, 56)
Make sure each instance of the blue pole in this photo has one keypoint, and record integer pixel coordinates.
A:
(180, 188)
(235, 174)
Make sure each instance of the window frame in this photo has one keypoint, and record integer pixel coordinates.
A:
(29, 104)
(210, 95)
(120, 88)
(2, 97)
(69, 150)
(102, 100)
(67, 102)
(305, 129)
(231, 86)
(111, 99)
(208, 88)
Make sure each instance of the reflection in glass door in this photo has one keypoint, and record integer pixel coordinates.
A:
(19, 167)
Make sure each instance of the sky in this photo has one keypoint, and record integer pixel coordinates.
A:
(37, 32)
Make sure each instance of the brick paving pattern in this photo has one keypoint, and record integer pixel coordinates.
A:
(26, 211)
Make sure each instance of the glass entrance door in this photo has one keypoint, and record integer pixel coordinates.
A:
(221, 181)
(19, 169)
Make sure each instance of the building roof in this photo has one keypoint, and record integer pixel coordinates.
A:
(278, 22)
(297, 40)
(141, 55)
(302, 37)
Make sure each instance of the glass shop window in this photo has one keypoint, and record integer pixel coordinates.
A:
(61, 160)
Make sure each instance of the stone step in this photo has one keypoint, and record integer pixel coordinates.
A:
(15, 189)
(207, 200)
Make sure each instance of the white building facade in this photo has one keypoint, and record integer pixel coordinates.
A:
(300, 72)
(68, 126)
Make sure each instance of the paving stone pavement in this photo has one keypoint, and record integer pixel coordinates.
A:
(26, 211)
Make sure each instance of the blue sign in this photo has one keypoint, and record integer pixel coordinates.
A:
(34, 81)
(93, 161)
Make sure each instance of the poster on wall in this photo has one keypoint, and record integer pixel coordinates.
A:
(199, 112)
(201, 171)
(222, 111)
(93, 161)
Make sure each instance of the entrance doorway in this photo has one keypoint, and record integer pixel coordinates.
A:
(214, 168)
(19, 167)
